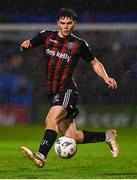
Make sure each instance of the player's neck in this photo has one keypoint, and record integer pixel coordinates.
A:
(61, 35)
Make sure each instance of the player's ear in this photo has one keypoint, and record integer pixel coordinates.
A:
(75, 23)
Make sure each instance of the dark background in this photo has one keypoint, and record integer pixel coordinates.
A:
(50, 6)
(45, 10)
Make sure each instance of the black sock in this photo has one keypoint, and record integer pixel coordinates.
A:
(47, 142)
(93, 137)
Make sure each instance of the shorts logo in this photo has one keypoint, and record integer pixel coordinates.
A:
(56, 98)
(67, 98)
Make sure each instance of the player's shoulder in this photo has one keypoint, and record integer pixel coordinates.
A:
(81, 41)
(48, 32)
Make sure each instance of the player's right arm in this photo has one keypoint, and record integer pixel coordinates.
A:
(25, 45)
(34, 42)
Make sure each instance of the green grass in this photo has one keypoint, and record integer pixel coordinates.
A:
(91, 161)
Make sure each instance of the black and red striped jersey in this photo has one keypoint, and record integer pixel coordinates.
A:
(62, 55)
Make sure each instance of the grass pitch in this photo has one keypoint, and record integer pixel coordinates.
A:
(91, 161)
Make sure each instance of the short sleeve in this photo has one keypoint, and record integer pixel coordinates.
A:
(39, 38)
(86, 52)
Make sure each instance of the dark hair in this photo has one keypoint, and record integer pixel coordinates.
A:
(66, 12)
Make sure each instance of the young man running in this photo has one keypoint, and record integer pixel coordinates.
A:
(63, 50)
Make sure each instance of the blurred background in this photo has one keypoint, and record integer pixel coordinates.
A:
(110, 28)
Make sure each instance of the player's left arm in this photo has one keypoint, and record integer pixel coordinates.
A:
(100, 70)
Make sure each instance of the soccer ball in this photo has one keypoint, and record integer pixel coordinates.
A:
(65, 147)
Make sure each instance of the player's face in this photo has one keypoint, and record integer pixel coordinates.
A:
(66, 26)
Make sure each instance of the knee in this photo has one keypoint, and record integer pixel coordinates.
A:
(77, 135)
(51, 122)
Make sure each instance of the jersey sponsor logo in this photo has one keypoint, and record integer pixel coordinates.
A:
(63, 56)
(50, 52)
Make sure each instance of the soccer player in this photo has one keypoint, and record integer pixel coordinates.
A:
(62, 52)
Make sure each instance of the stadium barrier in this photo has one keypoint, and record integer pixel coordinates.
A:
(10, 115)
(101, 116)
(114, 43)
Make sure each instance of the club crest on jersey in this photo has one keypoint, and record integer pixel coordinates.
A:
(70, 45)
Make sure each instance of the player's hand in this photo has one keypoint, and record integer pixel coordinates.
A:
(25, 45)
(111, 82)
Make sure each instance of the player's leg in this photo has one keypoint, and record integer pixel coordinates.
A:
(68, 128)
(55, 115)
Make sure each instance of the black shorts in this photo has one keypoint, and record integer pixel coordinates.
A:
(67, 99)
